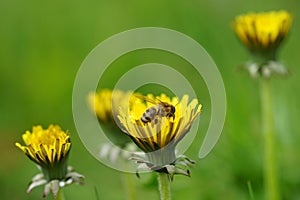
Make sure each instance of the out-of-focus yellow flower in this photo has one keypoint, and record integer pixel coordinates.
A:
(106, 104)
(263, 31)
(159, 138)
(49, 149)
(101, 104)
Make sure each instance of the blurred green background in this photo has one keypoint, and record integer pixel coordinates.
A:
(43, 43)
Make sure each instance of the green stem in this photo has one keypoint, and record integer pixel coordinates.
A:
(250, 190)
(270, 162)
(164, 186)
(60, 195)
(128, 183)
(129, 186)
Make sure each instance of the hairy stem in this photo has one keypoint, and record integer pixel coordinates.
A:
(129, 186)
(60, 195)
(164, 186)
(270, 161)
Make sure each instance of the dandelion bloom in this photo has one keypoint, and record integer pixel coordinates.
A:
(263, 31)
(158, 139)
(101, 104)
(49, 149)
(105, 104)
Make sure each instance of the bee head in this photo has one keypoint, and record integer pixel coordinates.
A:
(172, 109)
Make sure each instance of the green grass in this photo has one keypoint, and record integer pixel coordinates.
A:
(42, 45)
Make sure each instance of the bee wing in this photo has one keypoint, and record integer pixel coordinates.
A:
(158, 101)
(144, 98)
(163, 103)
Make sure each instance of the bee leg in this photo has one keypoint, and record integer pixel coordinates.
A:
(137, 174)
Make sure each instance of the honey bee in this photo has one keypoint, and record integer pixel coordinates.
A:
(161, 109)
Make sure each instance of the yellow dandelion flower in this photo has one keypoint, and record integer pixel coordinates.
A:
(105, 104)
(49, 149)
(159, 137)
(263, 31)
(100, 103)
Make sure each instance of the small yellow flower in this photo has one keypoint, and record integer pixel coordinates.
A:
(159, 139)
(105, 103)
(100, 103)
(49, 149)
(46, 147)
(263, 31)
